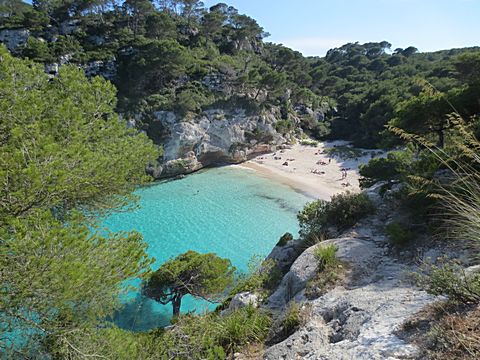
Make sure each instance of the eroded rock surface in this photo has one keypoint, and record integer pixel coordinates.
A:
(216, 137)
(360, 318)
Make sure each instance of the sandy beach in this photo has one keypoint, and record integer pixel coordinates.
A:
(311, 170)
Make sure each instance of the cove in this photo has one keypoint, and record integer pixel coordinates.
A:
(230, 211)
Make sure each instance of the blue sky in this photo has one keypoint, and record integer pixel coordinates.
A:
(314, 26)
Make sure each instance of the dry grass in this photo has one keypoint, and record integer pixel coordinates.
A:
(445, 331)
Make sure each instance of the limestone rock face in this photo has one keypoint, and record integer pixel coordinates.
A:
(284, 256)
(361, 317)
(242, 300)
(302, 270)
(215, 137)
(13, 38)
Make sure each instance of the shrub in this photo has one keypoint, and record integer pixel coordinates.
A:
(347, 209)
(242, 327)
(449, 279)
(312, 219)
(309, 142)
(456, 336)
(398, 234)
(344, 152)
(285, 239)
(212, 336)
(343, 211)
(446, 331)
(261, 277)
(381, 169)
(284, 126)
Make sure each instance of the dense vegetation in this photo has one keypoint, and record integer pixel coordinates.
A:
(66, 158)
(180, 56)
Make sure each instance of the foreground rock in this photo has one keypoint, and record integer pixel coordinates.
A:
(360, 318)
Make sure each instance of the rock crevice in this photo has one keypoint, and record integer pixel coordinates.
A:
(359, 318)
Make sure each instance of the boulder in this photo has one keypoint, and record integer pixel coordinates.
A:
(303, 269)
(242, 300)
(285, 255)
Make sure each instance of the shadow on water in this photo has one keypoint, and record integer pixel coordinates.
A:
(284, 205)
(142, 314)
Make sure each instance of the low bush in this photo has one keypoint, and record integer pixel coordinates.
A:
(313, 219)
(456, 336)
(445, 331)
(382, 169)
(344, 152)
(346, 209)
(208, 336)
(449, 279)
(284, 126)
(308, 142)
(398, 234)
(212, 336)
(342, 212)
(262, 276)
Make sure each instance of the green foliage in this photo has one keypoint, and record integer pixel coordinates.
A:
(326, 256)
(284, 126)
(66, 158)
(329, 271)
(36, 50)
(450, 279)
(313, 218)
(191, 99)
(309, 142)
(344, 152)
(347, 208)
(343, 211)
(262, 277)
(389, 168)
(212, 336)
(202, 275)
(398, 234)
(292, 319)
(208, 336)
(65, 164)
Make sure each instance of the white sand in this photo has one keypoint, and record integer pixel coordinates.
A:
(302, 160)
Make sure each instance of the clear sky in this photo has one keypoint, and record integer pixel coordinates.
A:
(314, 26)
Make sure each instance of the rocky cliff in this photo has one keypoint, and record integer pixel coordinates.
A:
(215, 137)
(361, 317)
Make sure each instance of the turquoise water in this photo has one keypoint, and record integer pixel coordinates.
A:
(232, 212)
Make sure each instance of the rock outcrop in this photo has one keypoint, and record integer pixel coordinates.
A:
(242, 300)
(215, 137)
(14, 38)
(360, 318)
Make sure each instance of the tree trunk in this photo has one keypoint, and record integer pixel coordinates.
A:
(441, 138)
(176, 303)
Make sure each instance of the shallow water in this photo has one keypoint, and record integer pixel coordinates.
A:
(232, 212)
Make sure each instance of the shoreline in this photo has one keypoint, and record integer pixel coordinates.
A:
(311, 170)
